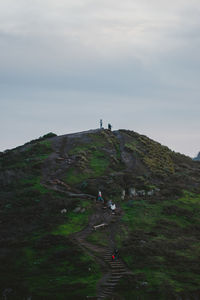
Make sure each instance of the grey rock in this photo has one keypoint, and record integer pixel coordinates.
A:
(141, 193)
(123, 195)
(77, 209)
(150, 193)
(132, 192)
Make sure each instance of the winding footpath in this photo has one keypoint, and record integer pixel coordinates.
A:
(113, 270)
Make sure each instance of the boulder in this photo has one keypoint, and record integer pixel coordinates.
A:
(123, 195)
(77, 209)
(132, 192)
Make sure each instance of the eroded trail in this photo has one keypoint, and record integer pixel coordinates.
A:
(112, 270)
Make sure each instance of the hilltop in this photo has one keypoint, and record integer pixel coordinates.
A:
(48, 247)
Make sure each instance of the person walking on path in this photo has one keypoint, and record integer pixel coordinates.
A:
(113, 207)
(100, 199)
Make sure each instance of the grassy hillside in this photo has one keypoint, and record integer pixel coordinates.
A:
(162, 247)
(157, 233)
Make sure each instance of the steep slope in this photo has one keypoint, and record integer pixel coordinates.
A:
(47, 193)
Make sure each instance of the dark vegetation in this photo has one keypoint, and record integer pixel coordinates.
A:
(158, 236)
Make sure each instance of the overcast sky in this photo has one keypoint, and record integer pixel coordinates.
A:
(64, 64)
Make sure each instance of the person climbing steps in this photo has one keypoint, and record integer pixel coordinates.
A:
(100, 198)
(115, 254)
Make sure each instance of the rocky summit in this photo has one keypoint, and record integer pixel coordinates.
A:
(139, 239)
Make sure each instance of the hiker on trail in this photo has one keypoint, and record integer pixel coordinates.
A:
(109, 203)
(100, 197)
(115, 254)
(101, 124)
(109, 126)
(113, 207)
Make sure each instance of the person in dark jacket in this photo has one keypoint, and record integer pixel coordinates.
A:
(115, 254)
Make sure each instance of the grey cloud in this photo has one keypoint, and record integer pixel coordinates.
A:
(130, 59)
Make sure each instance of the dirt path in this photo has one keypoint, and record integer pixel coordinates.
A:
(113, 270)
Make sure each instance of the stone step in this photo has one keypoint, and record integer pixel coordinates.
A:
(104, 296)
(118, 270)
(108, 289)
(117, 266)
(109, 285)
(113, 282)
(106, 292)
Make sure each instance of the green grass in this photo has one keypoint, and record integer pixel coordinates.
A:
(98, 238)
(94, 161)
(51, 276)
(141, 215)
(133, 146)
(160, 244)
(74, 176)
(74, 221)
(96, 166)
(34, 184)
(31, 156)
(158, 159)
(98, 163)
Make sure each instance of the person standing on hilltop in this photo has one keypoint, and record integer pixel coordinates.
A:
(101, 124)
(109, 126)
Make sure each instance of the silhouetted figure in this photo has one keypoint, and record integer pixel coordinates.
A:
(101, 124)
(109, 126)
(115, 254)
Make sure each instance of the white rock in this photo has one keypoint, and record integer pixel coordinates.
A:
(123, 195)
(132, 192)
